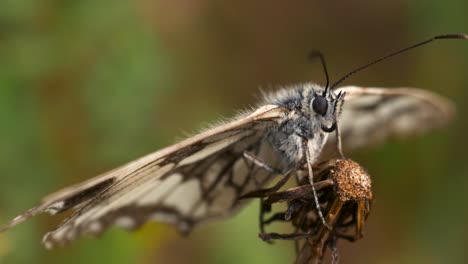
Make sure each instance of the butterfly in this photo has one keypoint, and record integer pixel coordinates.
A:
(201, 178)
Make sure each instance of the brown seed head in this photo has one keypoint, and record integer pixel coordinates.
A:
(352, 181)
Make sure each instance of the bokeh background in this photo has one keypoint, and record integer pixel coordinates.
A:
(88, 85)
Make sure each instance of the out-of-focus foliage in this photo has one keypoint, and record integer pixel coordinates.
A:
(88, 85)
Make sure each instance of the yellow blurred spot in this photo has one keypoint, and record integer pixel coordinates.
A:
(154, 235)
(4, 246)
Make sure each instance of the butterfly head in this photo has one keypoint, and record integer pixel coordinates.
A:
(326, 106)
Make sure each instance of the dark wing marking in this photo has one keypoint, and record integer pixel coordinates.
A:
(182, 184)
(372, 115)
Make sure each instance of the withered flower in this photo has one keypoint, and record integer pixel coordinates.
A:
(344, 195)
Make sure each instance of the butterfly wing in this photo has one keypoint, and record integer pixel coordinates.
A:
(195, 180)
(201, 178)
(373, 115)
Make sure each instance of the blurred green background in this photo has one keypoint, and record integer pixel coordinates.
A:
(88, 85)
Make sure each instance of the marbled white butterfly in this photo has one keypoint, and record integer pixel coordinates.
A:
(202, 177)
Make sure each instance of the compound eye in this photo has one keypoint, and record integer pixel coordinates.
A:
(320, 105)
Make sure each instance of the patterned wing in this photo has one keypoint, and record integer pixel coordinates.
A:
(372, 115)
(195, 180)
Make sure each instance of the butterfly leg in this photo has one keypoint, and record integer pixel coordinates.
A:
(338, 108)
(261, 193)
(260, 163)
(267, 191)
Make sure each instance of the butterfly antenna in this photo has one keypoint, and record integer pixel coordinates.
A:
(314, 54)
(447, 36)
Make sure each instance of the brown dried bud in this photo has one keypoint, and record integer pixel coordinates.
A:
(352, 181)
